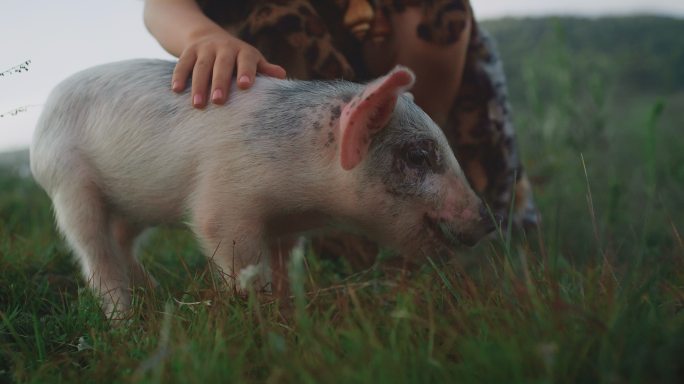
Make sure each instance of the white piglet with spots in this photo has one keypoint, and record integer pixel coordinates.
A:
(118, 152)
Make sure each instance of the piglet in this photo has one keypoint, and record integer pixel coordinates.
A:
(117, 152)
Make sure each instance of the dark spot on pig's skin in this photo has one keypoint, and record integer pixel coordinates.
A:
(331, 139)
(294, 112)
(433, 158)
(405, 180)
(402, 181)
(335, 113)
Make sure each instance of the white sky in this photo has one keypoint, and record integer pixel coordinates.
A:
(61, 37)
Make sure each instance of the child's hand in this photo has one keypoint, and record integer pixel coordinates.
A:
(211, 59)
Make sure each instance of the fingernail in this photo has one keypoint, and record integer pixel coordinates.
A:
(217, 95)
(174, 85)
(197, 100)
(244, 79)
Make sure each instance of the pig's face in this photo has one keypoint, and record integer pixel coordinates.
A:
(423, 187)
(411, 187)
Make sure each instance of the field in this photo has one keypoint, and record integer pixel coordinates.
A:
(596, 295)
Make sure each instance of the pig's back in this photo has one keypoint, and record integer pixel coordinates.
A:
(142, 141)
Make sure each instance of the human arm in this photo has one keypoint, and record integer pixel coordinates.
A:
(206, 51)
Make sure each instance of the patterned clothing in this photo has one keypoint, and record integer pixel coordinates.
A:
(310, 40)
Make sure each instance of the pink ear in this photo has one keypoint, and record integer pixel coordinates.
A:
(369, 112)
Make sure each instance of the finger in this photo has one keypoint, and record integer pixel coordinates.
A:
(272, 70)
(221, 76)
(246, 67)
(182, 71)
(201, 74)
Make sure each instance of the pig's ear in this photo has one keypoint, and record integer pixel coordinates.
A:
(369, 112)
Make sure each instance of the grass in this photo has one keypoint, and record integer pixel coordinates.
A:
(596, 295)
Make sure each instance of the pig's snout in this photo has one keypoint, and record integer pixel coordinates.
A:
(484, 226)
(470, 232)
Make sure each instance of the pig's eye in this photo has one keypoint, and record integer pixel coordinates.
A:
(418, 158)
(422, 155)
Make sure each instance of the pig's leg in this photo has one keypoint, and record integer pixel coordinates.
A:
(125, 234)
(240, 255)
(233, 243)
(83, 218)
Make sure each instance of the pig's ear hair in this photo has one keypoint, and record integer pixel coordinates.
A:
(369, 112)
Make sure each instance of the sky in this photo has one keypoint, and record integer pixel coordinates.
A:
(64, 36)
